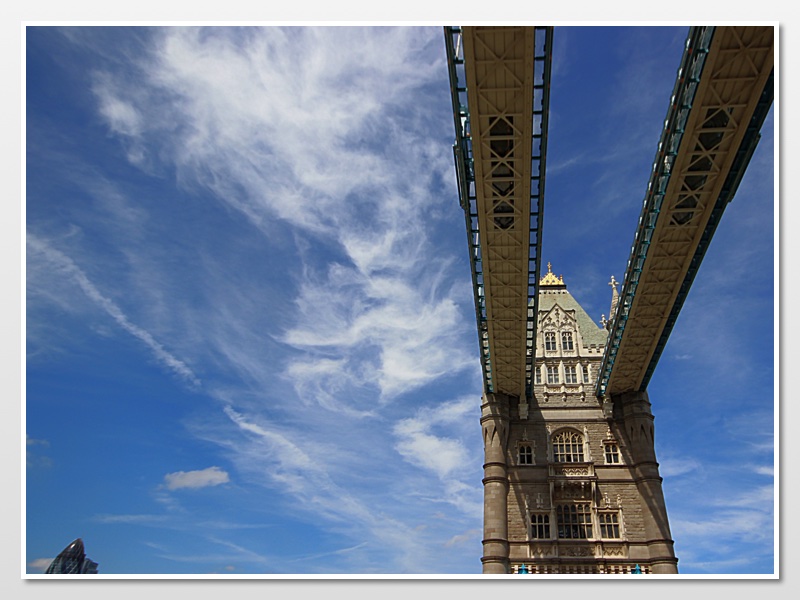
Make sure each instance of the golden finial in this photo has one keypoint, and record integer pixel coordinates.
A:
(551, 279)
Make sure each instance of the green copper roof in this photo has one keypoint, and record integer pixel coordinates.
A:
(590, 332)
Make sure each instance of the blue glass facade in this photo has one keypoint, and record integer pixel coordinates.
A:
(72, 559)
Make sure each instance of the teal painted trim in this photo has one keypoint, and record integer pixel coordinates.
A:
(465, 179)
(691, 68)
(543, 58)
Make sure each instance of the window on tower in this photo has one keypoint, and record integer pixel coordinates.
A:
(549, 341)
(540, 526)
(525, 454)
(585, 373)
(568, 447)
(570, 376)
(552, 374)
(609, 525)
(574, 521)
(611, 451)
(566, 341)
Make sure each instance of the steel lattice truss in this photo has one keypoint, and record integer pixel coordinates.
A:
(722, 96)
(499, 79)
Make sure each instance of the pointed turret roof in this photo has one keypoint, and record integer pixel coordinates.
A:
(552, 291)
(551, 280)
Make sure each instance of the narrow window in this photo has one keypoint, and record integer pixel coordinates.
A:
(569, 374)
(566, 340)
(549, 341)
(538, 375)
(552, 374)
(540, 527)
(525, 456)
(612, 453)
(574, 521)
(609, 525)
(585, 373)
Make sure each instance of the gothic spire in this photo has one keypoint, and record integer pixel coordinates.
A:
(614, 300)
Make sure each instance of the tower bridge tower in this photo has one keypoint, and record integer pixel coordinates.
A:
(571, 485)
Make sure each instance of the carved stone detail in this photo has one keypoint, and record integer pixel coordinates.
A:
(576, 551)
(614, 551)
(572, 471)
(540, 551)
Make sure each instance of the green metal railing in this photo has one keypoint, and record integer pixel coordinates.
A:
(691, 68)
(465, 178)
(543, 45)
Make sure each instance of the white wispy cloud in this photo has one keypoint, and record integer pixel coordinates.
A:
(323, 144)
(464, 538)
(675, 466)
(249, 117)
(725, 525)
(715, 526)
(209, 477)
(120, 114)
(769, 471)
(311, 357)
(437, 440)
(32, 459)
(412, 339)
(322, 482)
(62, 264)
(419, 445)
(132, 519)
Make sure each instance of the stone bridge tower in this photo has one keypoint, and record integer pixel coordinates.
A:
(571, 486)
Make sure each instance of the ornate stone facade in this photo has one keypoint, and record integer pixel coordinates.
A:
(571, 482)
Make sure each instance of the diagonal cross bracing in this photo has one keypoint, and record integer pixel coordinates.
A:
(720, 100)
(500, 81)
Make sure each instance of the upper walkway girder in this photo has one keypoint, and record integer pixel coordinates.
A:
(721, 97)
(499, 78)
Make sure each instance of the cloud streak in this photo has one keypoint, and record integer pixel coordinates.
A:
(64, 265)
(325, 148)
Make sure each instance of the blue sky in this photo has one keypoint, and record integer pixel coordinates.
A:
(250, 341)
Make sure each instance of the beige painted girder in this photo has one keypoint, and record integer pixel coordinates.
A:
(499, 67)
(737, 67)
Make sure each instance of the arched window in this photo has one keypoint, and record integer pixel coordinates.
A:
(525, 454)
(568, 447)
(549, 341)
(540, 526)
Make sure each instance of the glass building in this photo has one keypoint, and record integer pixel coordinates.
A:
(72, 559)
